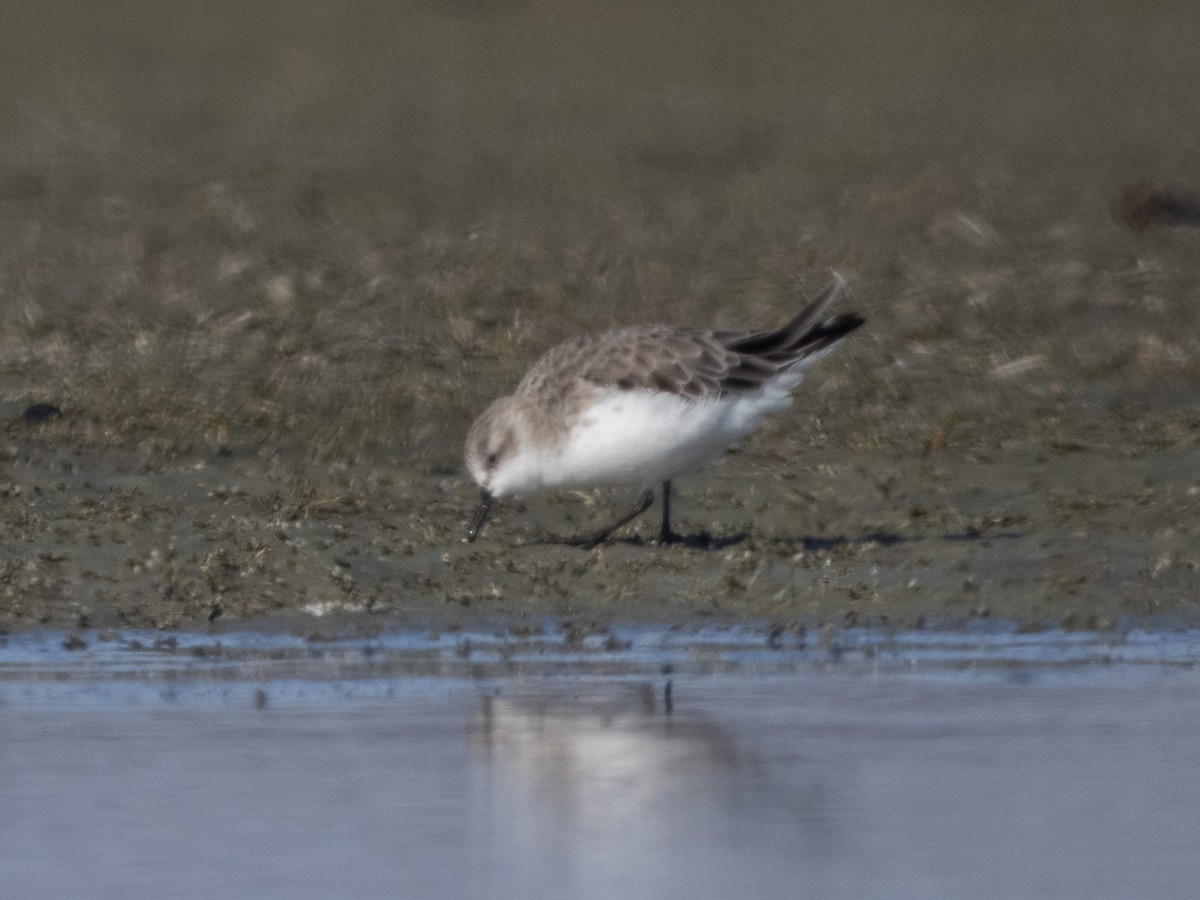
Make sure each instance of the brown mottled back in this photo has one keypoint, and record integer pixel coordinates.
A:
(688, 362)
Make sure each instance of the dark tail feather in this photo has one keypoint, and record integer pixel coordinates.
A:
(805, 335)
(792, 334)
(823, 336)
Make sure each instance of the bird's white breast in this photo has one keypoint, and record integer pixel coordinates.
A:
(645, 436)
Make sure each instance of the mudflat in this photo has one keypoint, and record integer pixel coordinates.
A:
(260, 268)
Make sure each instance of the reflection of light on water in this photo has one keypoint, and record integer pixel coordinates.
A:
(140, 668)
(599, 794)
(834, 785)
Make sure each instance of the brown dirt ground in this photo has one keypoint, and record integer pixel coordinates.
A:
(269, 263)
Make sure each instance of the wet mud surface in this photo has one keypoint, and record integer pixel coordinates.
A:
(247, 320)
(1081, 540)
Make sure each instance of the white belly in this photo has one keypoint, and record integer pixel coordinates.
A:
(644, 437)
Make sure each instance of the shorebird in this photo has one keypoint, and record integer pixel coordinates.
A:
(641, 405)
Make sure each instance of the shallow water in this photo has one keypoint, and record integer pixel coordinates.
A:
(858, 763)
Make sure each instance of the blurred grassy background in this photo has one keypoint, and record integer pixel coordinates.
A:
(338, 229)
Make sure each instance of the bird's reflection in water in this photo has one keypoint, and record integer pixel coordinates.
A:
(586, 794)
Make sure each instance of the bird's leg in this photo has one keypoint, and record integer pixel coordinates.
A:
(604, 533)
(666, 535)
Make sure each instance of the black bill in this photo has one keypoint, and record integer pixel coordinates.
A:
(481, 514)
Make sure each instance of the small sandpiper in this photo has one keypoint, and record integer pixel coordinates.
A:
(640, 405)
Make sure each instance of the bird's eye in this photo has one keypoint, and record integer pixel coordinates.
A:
(492, 459)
